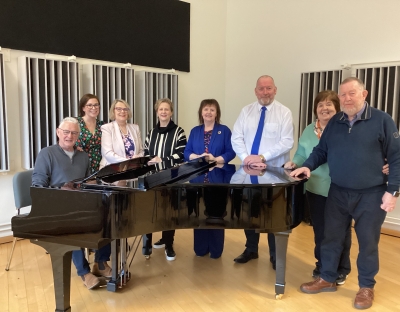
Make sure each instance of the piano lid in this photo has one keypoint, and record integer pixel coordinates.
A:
(125, 170)
(171, 173)
(148, 175)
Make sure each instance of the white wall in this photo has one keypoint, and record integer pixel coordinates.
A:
(233, 42)
(285, 38)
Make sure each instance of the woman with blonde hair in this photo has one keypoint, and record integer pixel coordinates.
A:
(120, 140)
(165, 142)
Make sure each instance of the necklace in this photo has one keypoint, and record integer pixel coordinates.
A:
(126, 130)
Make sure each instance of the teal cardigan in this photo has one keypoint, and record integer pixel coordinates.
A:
(320, 181)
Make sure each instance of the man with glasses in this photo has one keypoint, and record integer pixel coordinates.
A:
(59, 164)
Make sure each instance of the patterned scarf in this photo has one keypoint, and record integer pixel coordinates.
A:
(318, 129)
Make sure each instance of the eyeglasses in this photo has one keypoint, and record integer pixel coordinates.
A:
(93, 105)
(67, 132)
(120, 109)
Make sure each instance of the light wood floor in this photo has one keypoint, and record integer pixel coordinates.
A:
(199, 284)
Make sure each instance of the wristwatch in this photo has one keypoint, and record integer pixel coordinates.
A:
(262, 158)
(396, 194)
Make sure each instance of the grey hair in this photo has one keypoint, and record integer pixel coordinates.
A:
(351, 79)
(70, 120)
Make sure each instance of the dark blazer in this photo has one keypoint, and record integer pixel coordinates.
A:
(220, 143)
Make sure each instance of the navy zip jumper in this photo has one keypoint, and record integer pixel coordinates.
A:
(355, 156)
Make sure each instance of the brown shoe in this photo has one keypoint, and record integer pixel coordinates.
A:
(90, 281)
(364, 298)
(105, 272)
(318, 285)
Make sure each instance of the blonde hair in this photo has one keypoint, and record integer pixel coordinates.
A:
(164, 100)
(111, 114)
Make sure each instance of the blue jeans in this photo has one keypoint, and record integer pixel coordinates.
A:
(82, 265)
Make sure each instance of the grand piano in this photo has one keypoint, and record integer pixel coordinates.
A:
(132, 198)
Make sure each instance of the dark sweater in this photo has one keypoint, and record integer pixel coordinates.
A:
(356, 154)
(166, 143)
(53, 167)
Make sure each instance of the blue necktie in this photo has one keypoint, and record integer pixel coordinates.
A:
(257, 139)
(253, 179)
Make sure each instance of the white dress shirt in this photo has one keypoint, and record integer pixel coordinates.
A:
(277, 136)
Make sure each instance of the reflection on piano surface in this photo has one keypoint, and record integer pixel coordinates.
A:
(91, 212)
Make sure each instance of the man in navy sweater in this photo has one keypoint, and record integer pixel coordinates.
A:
(355, 143)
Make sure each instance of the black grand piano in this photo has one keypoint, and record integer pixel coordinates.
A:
(132, 198)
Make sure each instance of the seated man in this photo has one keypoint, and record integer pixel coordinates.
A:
(61, 163)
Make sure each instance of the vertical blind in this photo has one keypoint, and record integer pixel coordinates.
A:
(109, 83)
(49, 92)
(383, 85)
(151, 86)
(311, 85)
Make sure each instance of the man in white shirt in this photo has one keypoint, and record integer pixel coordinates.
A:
(274, 148)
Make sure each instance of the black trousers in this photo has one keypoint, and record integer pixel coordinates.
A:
(317, 213)
(252, 239)
(167, 237)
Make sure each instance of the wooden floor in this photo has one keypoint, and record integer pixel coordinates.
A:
(199, 284)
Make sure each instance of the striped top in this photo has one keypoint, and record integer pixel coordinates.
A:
(165, 142)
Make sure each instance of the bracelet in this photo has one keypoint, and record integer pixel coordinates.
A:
(262, 158)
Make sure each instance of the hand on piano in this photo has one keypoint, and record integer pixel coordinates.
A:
(155, 160)
(254, 160)
(254, 171)
(290, 165)
(300, 171)
(210, 156)
(218, 165)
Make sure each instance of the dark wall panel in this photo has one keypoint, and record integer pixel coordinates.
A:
(153, 33)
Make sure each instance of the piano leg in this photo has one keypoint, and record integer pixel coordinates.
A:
(112, 284)
(281, 242)
(61, 263)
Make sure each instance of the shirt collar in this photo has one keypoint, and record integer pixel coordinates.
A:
(358, 115)
(268, 107)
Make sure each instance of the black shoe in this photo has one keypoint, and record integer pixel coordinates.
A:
(316, 272)
(170, 253)
(271, 259)
(159, 244)
(341, 279)
(246, 256)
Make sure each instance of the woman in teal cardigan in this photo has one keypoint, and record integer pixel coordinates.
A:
(326, 104)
